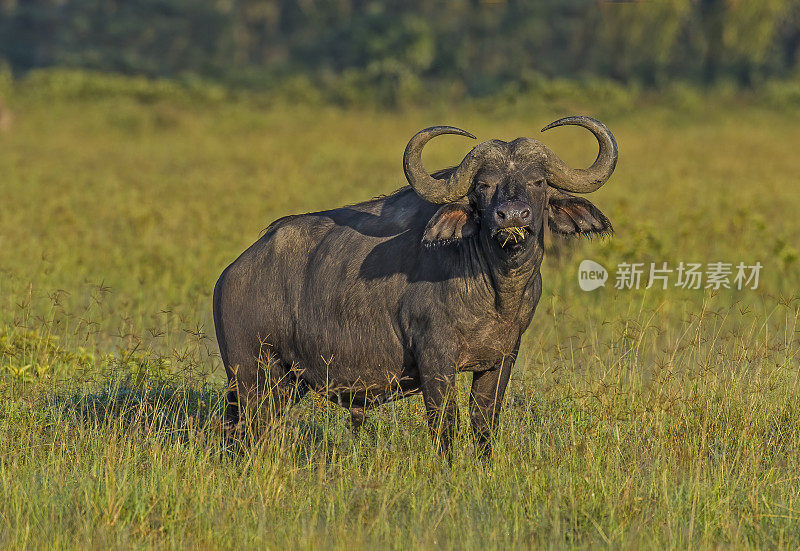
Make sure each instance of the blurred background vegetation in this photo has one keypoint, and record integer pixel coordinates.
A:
(402, 51)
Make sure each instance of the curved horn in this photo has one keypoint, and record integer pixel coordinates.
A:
(585, 180)
(429, 188)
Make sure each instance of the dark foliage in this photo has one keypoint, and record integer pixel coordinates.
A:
(479, 47)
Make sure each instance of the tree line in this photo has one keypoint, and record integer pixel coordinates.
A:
(479, 46)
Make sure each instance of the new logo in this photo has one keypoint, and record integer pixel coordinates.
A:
(591, 275)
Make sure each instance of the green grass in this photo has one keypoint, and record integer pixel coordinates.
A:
(650, 418)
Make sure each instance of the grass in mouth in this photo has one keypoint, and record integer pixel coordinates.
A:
(515, 234)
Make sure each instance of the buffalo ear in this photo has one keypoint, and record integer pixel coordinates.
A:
(571, 215)
(450, 223)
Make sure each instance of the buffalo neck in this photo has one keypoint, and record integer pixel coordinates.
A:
(504, 279)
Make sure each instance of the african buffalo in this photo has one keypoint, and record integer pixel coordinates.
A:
(394, 296)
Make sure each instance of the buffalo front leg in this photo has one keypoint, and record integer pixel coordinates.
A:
(485, 400)
(439, 395)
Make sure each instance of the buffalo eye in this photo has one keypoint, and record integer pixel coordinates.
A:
(481, 186)
(539, 183)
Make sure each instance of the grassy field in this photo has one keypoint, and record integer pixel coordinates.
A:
(635, 418)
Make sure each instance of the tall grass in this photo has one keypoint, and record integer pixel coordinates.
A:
(650, 418)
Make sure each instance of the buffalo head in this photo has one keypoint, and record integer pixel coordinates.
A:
(506, 191)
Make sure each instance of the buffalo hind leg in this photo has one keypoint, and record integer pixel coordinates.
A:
(262, 392)
(485, 401)
(356, 418)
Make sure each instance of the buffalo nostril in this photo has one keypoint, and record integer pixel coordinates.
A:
(501, 215)
(525, 214)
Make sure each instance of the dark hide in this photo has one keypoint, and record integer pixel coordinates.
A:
(390, 297)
